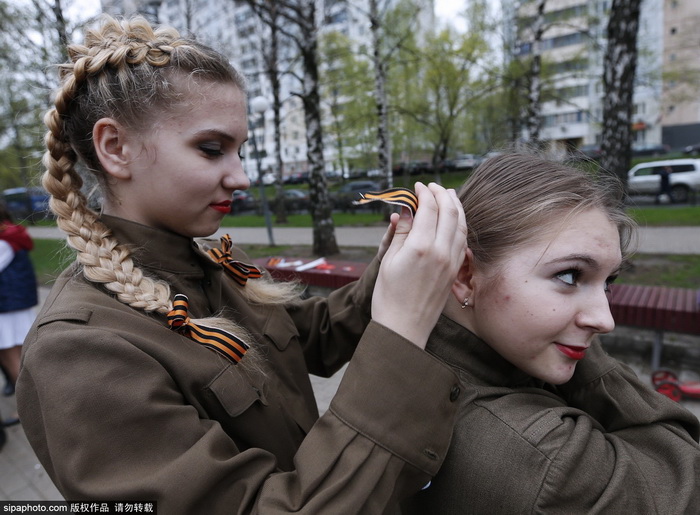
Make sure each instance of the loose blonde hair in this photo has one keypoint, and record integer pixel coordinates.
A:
(509, 199)
(125, 70)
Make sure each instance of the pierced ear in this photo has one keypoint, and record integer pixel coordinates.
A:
(109, 138)
(462, 287)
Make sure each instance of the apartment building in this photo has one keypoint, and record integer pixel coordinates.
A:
(680, 111)
(233, 28)
(572, 49)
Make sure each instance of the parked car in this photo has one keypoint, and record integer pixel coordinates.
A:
(649, 149)
(466, 162)
(31, 204)
(418, 167)
(350, 191)
(644, 178)
(591, 151)
(297, 178)
(294, 200)
(448, 165)
(692, 150)
(242, 201)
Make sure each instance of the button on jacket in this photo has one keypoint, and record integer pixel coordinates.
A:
(602, 443)
(119, 407)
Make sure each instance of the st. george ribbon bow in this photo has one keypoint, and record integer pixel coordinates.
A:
(398, 196)
(240, 272)
(223, 342)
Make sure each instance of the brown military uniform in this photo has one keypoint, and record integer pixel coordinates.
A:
(118, 406)
(602, 443)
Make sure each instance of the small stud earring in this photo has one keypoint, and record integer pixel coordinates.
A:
(465, 303)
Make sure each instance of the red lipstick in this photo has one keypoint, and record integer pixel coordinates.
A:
(577, 353)
(222, 207)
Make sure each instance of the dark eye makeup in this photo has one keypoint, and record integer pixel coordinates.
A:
(571, 277)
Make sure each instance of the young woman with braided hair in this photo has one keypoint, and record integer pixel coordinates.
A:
(159, 369)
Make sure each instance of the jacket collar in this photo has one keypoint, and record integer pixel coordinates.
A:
(159, 249)
(460, 348)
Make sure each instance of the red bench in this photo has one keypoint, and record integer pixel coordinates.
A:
(658, 308)
(333, 275)
(649, 307)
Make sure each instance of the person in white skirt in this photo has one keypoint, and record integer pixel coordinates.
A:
(18, 294)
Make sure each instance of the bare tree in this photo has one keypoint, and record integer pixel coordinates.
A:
(299, 24)
(380, 64)
(618, 80)
(269, 48)
(533, 119)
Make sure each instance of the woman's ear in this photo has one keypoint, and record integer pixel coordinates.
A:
(109, 138)
(463, 287)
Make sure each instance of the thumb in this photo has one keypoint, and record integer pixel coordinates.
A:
(403, 226)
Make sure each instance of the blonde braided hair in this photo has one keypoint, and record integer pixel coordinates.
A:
(124, 70)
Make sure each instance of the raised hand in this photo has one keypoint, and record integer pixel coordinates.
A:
(421, 264)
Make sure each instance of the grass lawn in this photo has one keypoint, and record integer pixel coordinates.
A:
(51, 256)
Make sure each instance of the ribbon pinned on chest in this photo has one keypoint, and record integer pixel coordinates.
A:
(223, 342)
(239, 271)
(397, 196)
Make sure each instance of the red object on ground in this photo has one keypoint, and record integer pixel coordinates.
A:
(666, 382)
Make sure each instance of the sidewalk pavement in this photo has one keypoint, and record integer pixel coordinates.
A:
(22, 478)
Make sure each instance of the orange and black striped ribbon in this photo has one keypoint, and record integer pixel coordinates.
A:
(240, 272)
(223, 342)
(397, 196)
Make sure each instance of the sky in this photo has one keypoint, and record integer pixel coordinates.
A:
(449, 11)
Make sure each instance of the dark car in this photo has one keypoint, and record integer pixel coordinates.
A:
(350, 191)
(590, 151)
(692, 150)
(242, 201)
(294, 200)
(31, 204)
(297, 178)
(418, 167)
(649, 149)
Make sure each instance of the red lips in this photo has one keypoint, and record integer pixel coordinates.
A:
(222, 207)
(572, 352)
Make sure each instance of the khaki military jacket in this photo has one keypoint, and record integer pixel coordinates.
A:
(119, 407)
(604, 443)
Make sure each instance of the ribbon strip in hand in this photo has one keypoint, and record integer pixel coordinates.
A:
(240, 272)
(223, 342)
(398, 196)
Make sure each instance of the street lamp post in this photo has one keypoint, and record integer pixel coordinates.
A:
(259, 105)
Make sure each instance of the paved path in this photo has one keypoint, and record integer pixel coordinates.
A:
(652, 240)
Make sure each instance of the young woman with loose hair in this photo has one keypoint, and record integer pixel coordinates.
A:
(549, 423)
(162, 368)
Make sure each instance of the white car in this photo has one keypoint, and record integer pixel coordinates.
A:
(465, 161)
(644, 179)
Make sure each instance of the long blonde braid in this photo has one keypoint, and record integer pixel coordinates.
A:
(124, 71)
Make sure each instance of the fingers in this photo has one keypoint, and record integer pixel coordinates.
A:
(421, 264)
(388, 235)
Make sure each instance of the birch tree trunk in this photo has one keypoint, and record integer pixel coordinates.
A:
(383, 134)
(618, 81)
(533, 121)
(299, 24)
